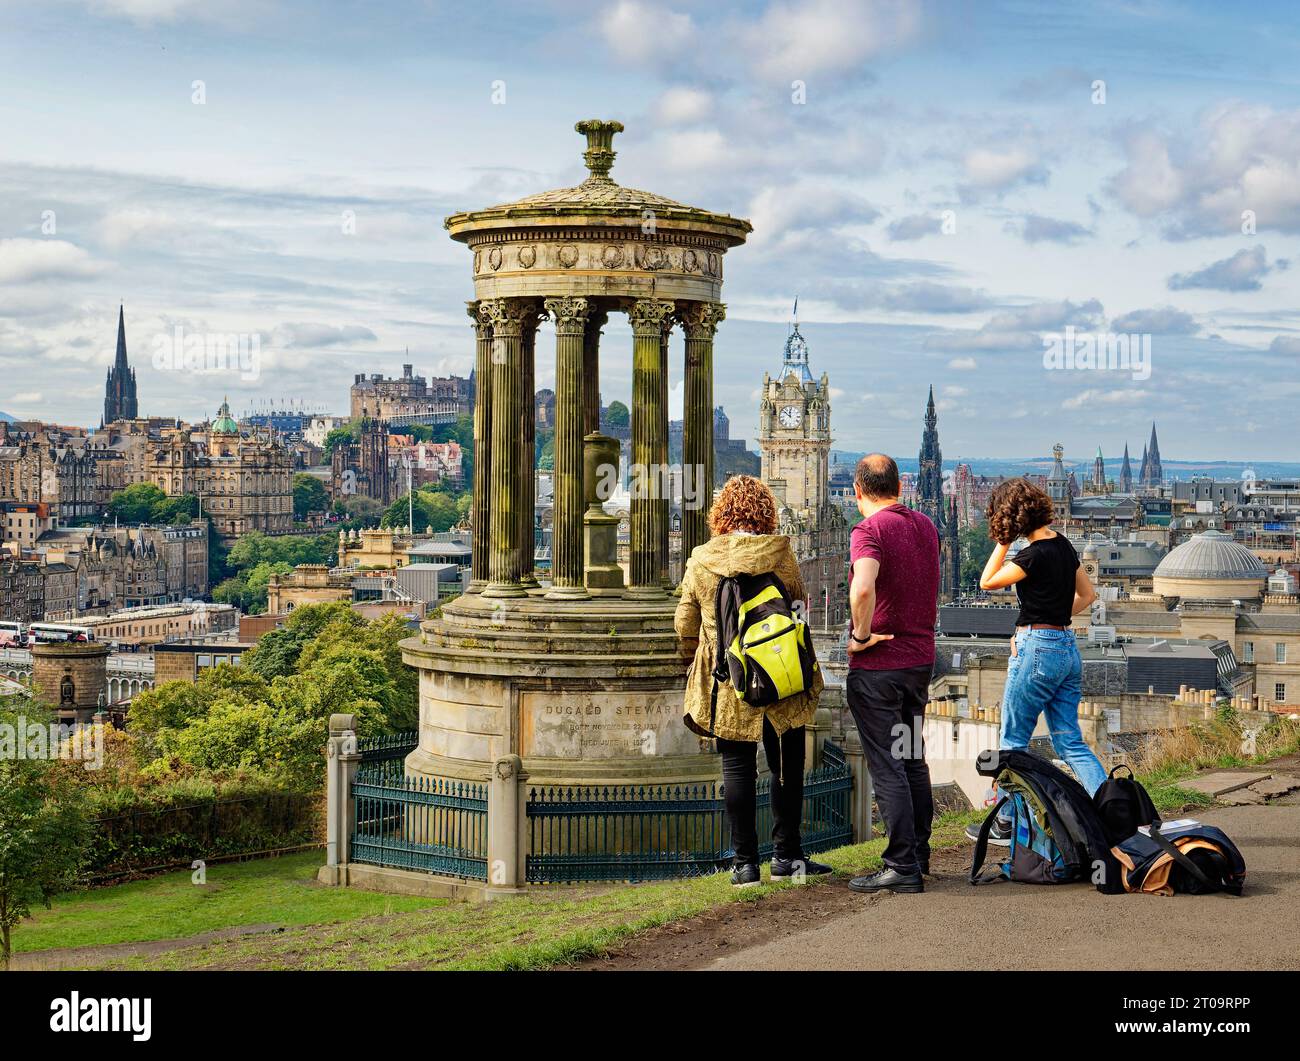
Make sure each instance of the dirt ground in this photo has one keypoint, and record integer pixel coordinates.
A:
(954, 925)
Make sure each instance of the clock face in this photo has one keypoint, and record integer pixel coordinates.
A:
(791, 415)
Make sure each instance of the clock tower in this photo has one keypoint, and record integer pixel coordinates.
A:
(794, 437)
(794, 432)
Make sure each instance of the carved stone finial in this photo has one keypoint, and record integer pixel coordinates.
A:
(599, 156)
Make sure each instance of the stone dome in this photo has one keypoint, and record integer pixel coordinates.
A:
(1211, 565)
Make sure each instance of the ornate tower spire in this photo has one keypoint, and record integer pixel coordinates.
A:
(119, 389)
(1099, 473)
(1153, 474)
(930, 467)
(1126, 474)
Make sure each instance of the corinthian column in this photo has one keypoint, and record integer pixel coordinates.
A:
(661, 460)
(700, 322)
(507, 317)
(526, 505)
(482, 499)
(570, 316)
(649, 445)
(596, 319)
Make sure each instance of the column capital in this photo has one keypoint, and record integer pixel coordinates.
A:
(701, 319)
(650, 316)
(482, 324)
(569, 314)
(508, 316)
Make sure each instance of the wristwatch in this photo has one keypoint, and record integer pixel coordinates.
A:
(859, 640)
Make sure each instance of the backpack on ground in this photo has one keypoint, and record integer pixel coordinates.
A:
(1056, 834)
(1181, 857)
(1124, 806)
(764, 649)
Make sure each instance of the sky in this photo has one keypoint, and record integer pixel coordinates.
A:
(945, 187)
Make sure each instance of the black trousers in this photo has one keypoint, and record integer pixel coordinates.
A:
(740, 780)
(889, 709)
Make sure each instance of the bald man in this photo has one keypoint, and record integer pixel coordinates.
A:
(893, 598)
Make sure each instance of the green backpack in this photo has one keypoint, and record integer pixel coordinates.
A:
(764, 646)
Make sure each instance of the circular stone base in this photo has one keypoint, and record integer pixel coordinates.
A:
(585, 692)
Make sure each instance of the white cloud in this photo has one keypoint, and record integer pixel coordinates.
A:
(314, 335)
(683, 106)
(23, 261)
(646, 33)
(1242, 157)
(996, 171)
(804, 38)
(963, 364)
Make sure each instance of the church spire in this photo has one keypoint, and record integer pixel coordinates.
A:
(119, 389)
(1126, 474)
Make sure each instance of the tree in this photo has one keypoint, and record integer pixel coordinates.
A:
(975, 549)
(277, 651)
(342, 435)
(308, 495)
(257, 548)
(433, 508)
(146, 503)
(617, 416)
(44, 834)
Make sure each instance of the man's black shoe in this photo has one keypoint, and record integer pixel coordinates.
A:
(888, 880)
(745, 877)
(999, 835)
(785, 868)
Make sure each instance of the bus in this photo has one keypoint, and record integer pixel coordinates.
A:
(47, 633)
(12, 634)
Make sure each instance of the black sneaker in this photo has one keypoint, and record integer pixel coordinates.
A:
(888, 880)
(785, 868)
(745, 876)
(999, 835)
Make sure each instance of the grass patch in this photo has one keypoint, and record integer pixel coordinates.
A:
(274, 890)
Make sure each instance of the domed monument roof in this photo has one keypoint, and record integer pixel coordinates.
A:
(598, 239)
(1211, 566)
(1211, 555)
(598, 195)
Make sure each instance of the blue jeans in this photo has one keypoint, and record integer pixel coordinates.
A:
(1046, 675)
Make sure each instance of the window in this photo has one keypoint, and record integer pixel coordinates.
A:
(1248, 652)
(1279, 692)
(1279, 651)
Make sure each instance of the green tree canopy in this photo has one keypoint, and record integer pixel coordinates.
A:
(44, 833)
(308, 495)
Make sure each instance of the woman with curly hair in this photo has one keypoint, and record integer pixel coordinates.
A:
(1045, 671)
(745, 542)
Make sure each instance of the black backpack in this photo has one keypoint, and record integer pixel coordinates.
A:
(764, 646)
(1123, 805)
(1058, 836)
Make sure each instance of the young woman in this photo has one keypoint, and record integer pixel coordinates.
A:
(743, 522)
(1045, 672)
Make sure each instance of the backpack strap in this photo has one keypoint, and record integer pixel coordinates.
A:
(982, 846)
(1171, 849)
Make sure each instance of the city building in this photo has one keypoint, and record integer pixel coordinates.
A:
(794, 441)
(366, 467)
(411, 399)
(244, 482)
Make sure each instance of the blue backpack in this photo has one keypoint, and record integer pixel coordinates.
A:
(1057, 836)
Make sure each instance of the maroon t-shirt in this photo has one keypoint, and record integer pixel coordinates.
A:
(906, 545)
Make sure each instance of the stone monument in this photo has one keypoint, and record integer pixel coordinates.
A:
(580, 677)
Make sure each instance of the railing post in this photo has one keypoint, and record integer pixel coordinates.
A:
(506, 846)
(860, 800)
(341, 771)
